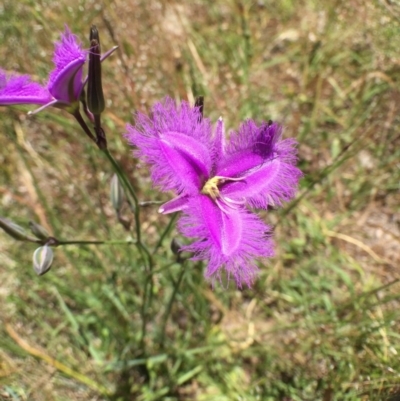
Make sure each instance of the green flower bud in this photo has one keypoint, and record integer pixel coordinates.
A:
(15, 231)
(38, 230)
(42, 260)
(116, 193)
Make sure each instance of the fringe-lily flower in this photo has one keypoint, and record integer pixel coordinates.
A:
(64, 85)
(217, 181)
(65, 82)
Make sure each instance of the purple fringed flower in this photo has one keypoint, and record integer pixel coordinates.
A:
(217, 182)
(65, 81)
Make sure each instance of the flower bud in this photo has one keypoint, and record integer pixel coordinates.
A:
(116, 193)
(176, 246)
(38, 230)
(15, 231)
(42, 260)
(95, 97)
(199, 102)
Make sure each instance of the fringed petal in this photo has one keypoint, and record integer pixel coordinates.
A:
(19, 89)
(65, 81)
(265, 164)
(176, 144)
(228, 239)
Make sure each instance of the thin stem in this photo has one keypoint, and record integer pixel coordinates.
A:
(170, 304)
(165, 232)
(150, 203)
(51, 241)
(148, 287)
(124, 181)
(84, 126)
(143, 310)
(134, 201)
(105, 242)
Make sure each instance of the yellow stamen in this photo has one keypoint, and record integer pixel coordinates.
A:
(210, 188)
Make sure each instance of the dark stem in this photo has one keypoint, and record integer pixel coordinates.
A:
(84, 126)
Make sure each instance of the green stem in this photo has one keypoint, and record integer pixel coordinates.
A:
(134, 201)
(122, 177)
(147, 299)
(170, 304)
(150, 203)
(148, 287)
(143, 311)
(105, 242)
(165, 232)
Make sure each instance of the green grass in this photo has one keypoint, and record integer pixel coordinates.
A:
(322, 321)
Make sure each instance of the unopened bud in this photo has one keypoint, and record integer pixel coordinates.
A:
(116, 193)
(42, 260)
(95, 97)
(176, 246)
(15, 231)
(38, 230)
(199, 102)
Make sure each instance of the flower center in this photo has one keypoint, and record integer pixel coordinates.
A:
(225, 203)
(210, 188)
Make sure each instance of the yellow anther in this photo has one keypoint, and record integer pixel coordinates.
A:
(210, 188)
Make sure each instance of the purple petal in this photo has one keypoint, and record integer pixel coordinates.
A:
(65, 81)
(174, 205)
(265, 163)
(16, 89)
(248, 148)
(229, 238)
(176, 144)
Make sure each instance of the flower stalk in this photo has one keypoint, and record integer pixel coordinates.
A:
(170, 304)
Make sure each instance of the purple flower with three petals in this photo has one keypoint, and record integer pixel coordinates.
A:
(65, 82)
(217, 181)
